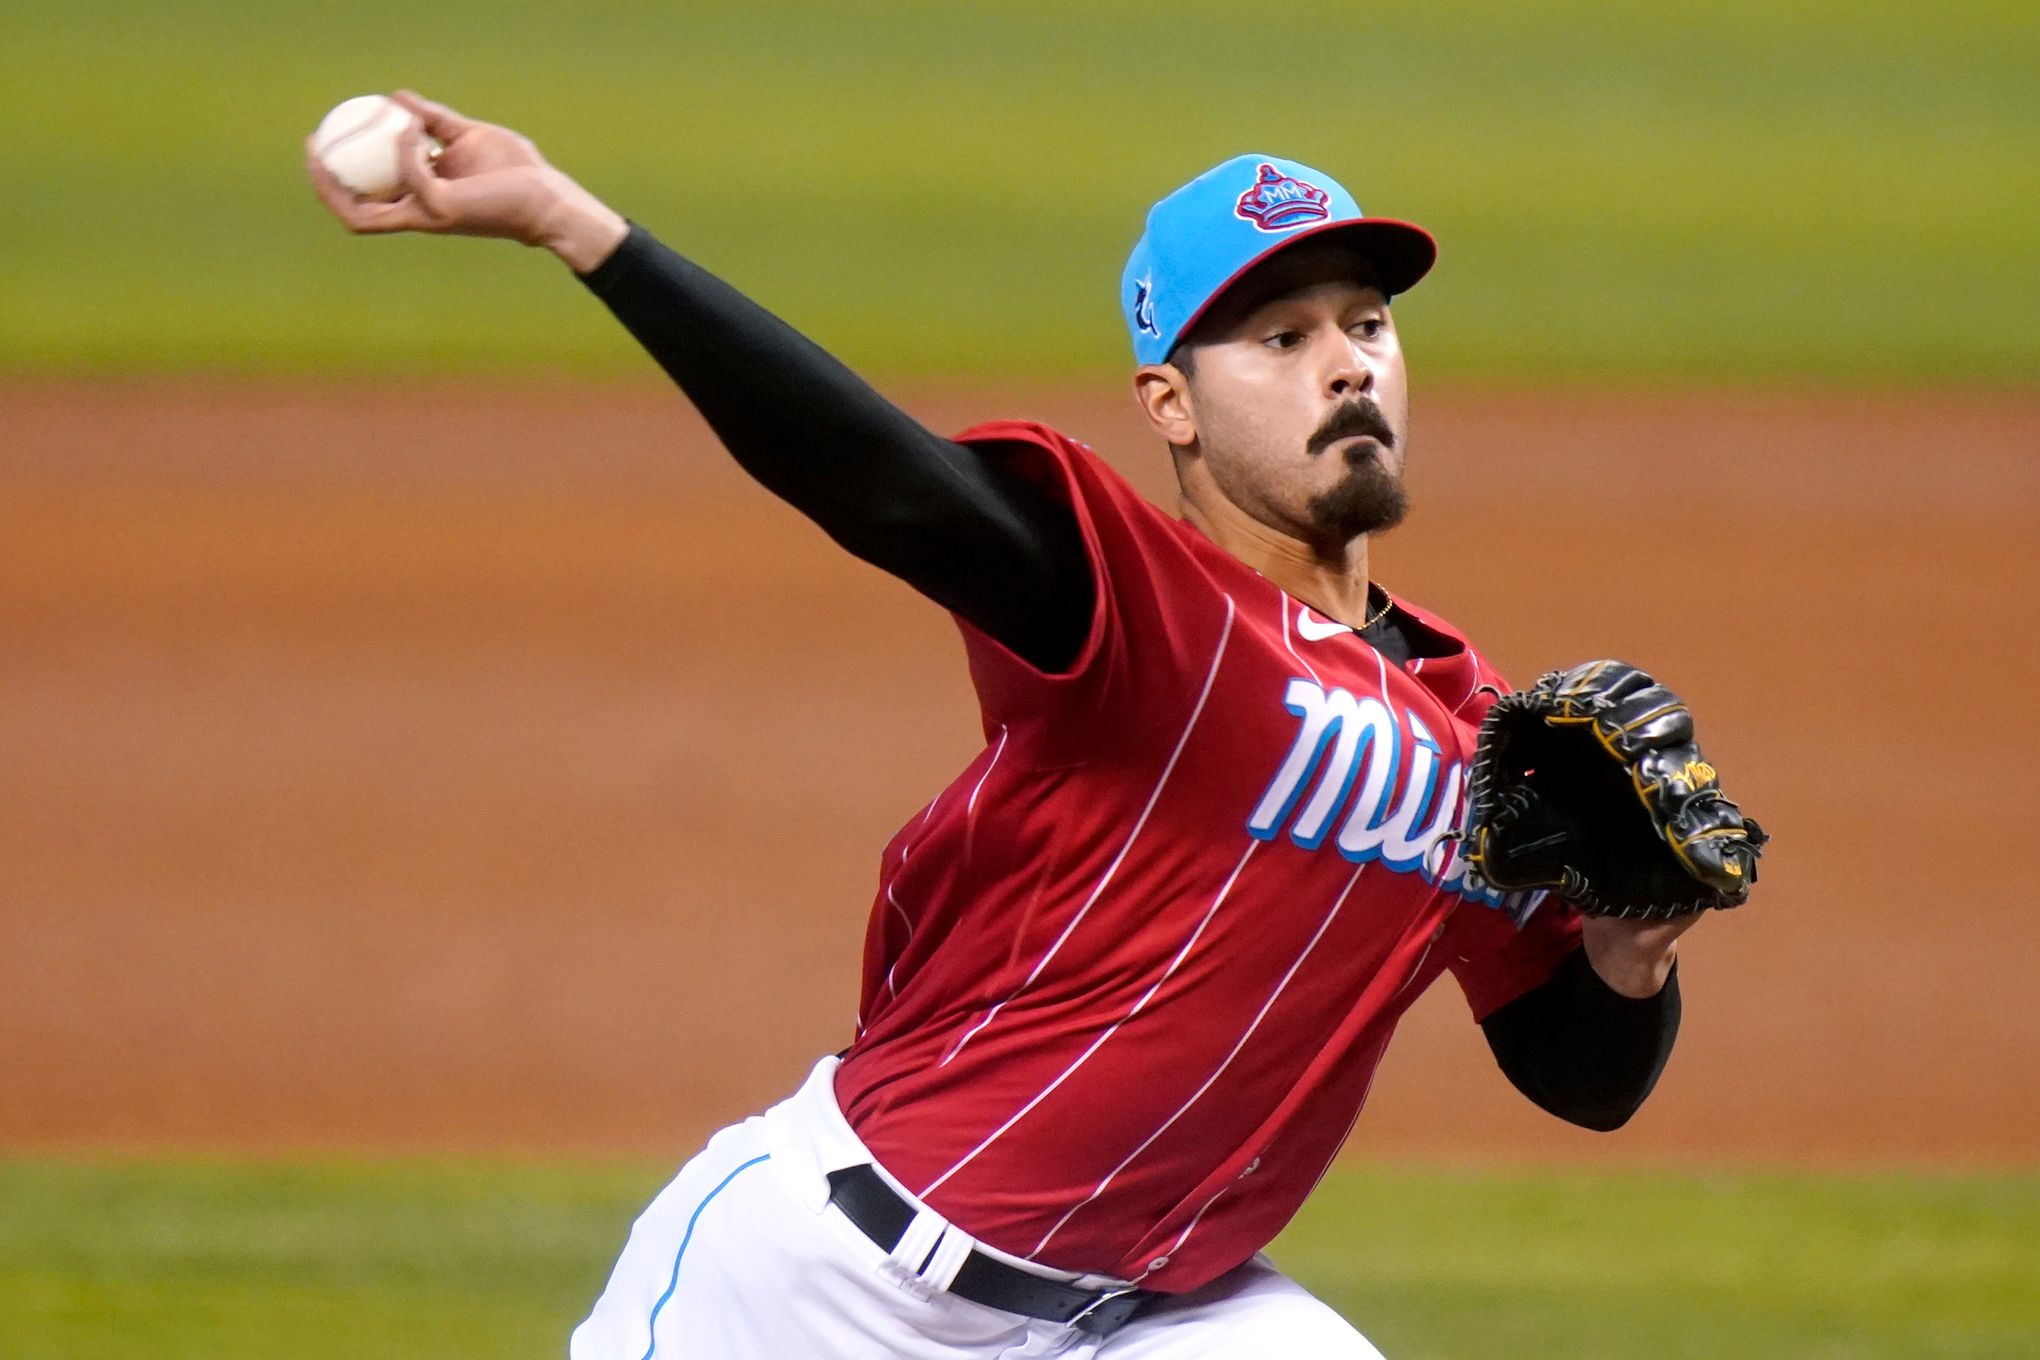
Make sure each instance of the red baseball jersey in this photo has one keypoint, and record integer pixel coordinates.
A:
(1127, 980)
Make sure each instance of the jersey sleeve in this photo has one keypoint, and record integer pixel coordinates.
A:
(1495, 960)
(1497, 953)
(1157, 620)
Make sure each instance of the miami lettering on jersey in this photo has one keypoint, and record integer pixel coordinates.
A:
(1359, 745)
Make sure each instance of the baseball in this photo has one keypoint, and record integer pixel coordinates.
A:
(357, 141)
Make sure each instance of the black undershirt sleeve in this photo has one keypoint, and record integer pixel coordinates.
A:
(1582, 1050)
(961, 528)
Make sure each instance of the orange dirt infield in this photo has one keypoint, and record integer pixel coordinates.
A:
(497, 769)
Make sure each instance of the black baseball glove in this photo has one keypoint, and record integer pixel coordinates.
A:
(1589, 784)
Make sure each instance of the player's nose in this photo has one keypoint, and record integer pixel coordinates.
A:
(1347, 371)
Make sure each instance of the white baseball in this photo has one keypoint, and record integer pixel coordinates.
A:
(357, 141)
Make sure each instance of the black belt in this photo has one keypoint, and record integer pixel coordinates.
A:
(882, 1215)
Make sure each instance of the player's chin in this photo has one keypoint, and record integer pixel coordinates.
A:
(1369, 499)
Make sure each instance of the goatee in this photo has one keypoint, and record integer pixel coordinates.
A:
(1371, 498)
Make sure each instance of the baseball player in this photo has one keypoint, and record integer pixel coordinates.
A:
(1127, 978)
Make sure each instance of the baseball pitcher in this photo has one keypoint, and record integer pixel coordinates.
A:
(1128, 977)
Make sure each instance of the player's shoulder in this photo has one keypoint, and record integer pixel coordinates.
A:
(1435, 621)
(1487, 672)
(1067, 465)
(993, 435)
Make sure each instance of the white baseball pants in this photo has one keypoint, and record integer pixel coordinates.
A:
(743, 1258)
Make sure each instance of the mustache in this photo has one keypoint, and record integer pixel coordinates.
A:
(1354, 418)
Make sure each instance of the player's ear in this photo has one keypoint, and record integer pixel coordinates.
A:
(1162, 392)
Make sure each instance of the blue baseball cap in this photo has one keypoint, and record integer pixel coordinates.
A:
(1202, 238)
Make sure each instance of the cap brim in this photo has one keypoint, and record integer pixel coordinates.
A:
(1400, 252)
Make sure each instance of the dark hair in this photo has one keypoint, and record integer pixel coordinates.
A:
(1183, 358)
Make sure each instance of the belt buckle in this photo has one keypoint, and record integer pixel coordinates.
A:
(1104, 1297)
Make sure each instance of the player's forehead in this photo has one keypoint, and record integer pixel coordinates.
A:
(1326, 271)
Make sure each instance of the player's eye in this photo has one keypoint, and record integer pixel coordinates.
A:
(1284, 340)
(1370, 328)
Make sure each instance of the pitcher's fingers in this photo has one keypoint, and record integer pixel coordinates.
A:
(414, 170)
(331, 191)
(363, 216)
(376, 219)
(441, 121)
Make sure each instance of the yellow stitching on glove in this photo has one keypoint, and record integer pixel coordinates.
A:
(1607, 744)
(1654, 713)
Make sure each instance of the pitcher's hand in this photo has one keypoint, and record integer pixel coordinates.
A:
(485, 181)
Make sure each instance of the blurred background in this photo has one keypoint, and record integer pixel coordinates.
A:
(437, 789)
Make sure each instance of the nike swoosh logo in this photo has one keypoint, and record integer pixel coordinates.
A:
(1316, 629)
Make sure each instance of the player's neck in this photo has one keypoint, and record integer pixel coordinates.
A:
(1332, 579)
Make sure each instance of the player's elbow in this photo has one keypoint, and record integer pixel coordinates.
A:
(1603, 1105)
(1600, 1118)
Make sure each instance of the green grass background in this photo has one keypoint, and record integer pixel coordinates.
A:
(214, 1261)
(1719, 193)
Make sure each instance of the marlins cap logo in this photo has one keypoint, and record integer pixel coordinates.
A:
(1278, 202)
(1144, 306)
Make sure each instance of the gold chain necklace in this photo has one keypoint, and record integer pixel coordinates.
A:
(1388, 604)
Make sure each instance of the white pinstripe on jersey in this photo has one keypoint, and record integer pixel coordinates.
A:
(1217, 1072)
(1282, 605)
(1218, 655)
(971, 807)
(907, 849)
(1162, 1258)
(1111, 1030)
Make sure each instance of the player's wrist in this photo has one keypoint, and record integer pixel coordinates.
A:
(1633, 957)
(577, 226)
